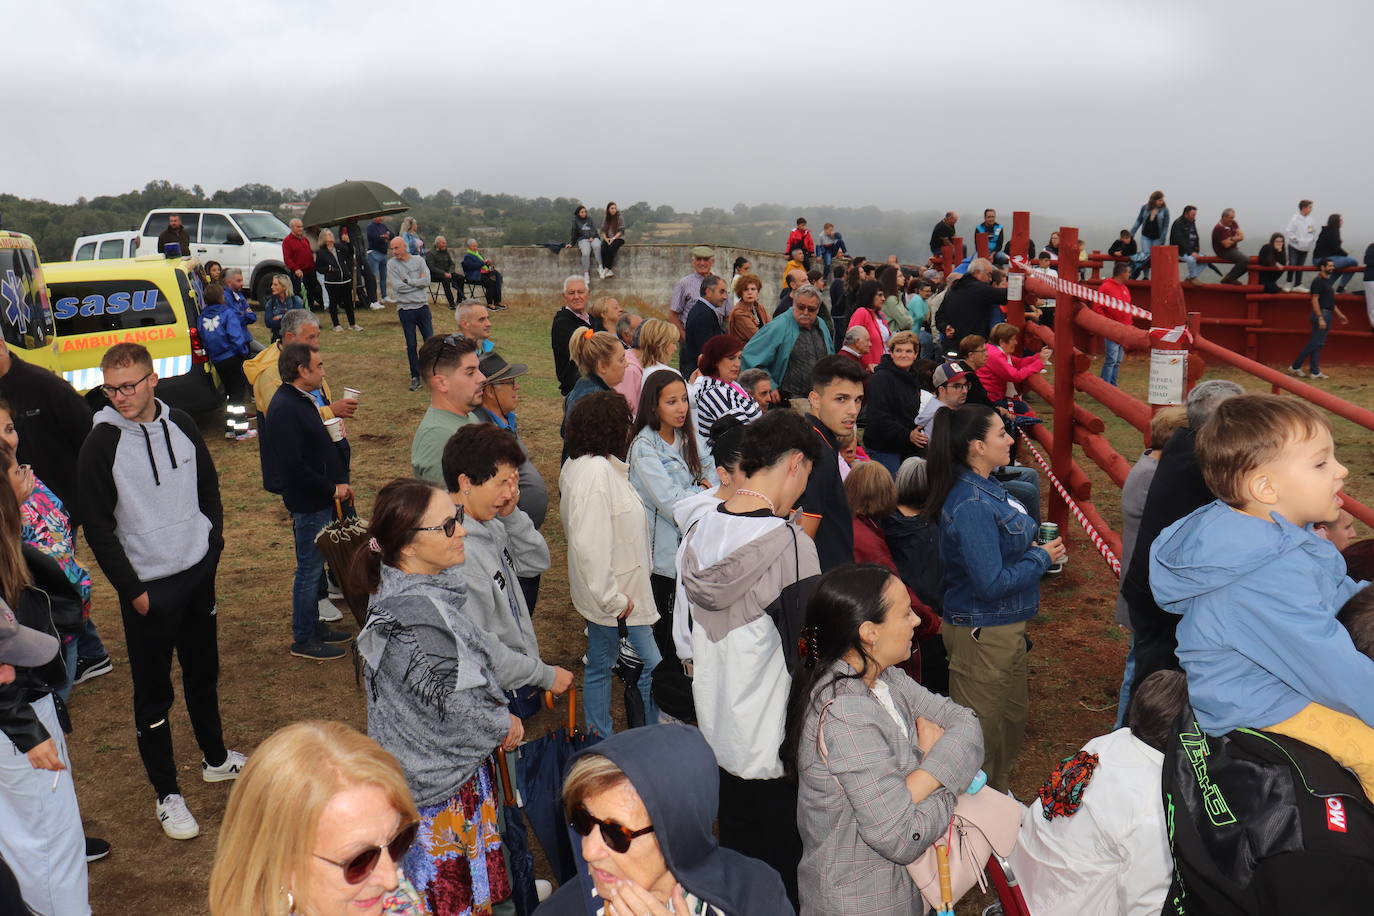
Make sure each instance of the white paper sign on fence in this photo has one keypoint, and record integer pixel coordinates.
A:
(1016, 283)
(1167, 369)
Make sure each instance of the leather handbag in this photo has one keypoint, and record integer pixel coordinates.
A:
(983, 824)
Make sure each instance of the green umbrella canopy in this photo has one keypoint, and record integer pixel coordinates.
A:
(352, 200)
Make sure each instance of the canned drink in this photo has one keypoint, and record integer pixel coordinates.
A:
(1048, 532)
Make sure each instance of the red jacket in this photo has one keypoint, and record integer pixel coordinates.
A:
(1110, 287)
(869, 320)
(871, 547)
(801, 238)
(297, 253)
(1001, 369)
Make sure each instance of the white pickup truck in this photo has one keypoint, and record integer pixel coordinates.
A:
(247, 239)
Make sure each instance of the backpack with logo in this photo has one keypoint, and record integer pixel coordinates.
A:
(1263, 824)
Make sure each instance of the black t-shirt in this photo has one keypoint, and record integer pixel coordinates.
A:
(824, 498)
(1325, 291)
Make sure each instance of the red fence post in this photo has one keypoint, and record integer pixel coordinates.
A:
(1020, 241)
(1170, 310)
(1061, 451)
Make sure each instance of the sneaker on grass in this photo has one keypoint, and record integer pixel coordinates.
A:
(96, 849)
(328, 612)
(177, 820)
(333, 637)
(229, 769)
(316, 650)
(87, 668)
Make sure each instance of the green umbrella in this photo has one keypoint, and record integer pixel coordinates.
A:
(352, 200)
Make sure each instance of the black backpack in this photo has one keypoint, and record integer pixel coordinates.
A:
(1263, 824)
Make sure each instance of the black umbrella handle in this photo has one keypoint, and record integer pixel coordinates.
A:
(621, 628)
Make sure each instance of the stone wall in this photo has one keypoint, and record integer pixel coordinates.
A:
(644, 274)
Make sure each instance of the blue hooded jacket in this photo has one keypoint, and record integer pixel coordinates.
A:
(224, 331)
(1259, 639)
(674, 772)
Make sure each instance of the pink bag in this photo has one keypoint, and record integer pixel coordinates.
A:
(984, 823)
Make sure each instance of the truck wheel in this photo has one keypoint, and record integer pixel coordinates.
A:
(262, 290)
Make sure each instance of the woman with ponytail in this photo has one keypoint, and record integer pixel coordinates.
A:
(879, 760)
(600, 358)
(992, 570)
(434, 700)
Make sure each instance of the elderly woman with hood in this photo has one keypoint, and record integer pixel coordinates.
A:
(643, 802)
(434, 697)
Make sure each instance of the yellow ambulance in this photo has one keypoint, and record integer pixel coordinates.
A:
(26, 318)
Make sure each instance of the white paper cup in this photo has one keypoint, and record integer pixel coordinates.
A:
(334, 427)
(353, 393)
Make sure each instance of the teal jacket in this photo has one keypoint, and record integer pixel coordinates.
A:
(771, 346)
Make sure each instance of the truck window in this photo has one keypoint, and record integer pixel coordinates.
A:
(215, 229)
(111, 248)
(158, 221)
(97, 306)
(86, 252)
(25, 318)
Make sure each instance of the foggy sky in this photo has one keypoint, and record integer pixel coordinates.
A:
(1074, 109)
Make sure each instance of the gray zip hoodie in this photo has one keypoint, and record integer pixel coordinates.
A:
(433, 700)
(497, 553)
(153, 508)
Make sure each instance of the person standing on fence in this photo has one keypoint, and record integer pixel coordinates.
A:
(1226, 239)
(1324, 309)
(992, 570)
(1183, 236)
(409, 279)
(1116, 288)
(1301, 235)
(1153, 224)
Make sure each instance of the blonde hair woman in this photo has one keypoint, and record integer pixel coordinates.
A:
(600, 358)
(410, 231)
(317, 824)
(658, 342)
(335, 266)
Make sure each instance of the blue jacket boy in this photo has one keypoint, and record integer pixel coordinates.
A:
(1259, 639)
(224, 331)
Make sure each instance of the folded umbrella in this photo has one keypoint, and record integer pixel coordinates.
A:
(629, 667)
(517, 841)
(539, 774)
(338, 542)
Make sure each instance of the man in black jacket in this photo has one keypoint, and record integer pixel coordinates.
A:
(440, 261)
(942, 233)
(174, 233)
(1177, 489)
(968, 305)
(704, 321)
(313, 477)
(1183, 236)
(52, 421)
(571, 317)
(156, 526)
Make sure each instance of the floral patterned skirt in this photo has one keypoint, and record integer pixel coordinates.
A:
(456, 863)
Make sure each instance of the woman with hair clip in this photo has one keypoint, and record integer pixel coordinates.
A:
(666, 465)
(318, 824)
(434, 699)
(879, 760)
(612, 237)
(600, 358)
(40, 825)
(992, 569)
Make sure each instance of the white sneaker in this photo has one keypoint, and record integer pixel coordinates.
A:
(1320, 375)
(375, 306)
(335, 591)
(542, 889)
(601, 273)
(1298, 372)
(177, 820)
(328, 612)
(229, 769)
(356, 327)
(1299, 289)
(609, 273)
(338, 328)
(586, 277)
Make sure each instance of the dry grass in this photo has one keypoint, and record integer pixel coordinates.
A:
(1076, 664)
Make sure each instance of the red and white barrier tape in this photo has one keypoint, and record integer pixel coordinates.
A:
(1093, 536)
(1081, 291)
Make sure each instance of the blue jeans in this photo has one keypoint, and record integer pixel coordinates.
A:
(376, 262)
(1315, 342)
(1194, 268)
(310, 585)
(1123, 703)
(85, 644)
(603, 644)
(1112, 366)
(411, 320)
(890, 460)
(1342, 262)
(1024, 487)
(927, 343)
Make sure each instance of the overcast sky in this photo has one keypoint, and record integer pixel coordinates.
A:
(1062, 107)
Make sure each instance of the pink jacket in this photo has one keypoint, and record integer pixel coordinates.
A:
(869, 320)
(633, 380)
(1001, 369)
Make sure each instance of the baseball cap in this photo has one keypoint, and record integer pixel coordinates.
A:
(703, 251)
(496, 369)
(21, 645)
(948, 372)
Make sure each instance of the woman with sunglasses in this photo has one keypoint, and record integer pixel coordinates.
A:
(879, 760)
(643, 803)
(317, 824)
(434, 699)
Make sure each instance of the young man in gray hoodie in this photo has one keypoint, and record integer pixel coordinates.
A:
(156, 526)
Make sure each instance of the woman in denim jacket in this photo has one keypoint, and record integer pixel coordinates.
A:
(668, 462)
(992, 570)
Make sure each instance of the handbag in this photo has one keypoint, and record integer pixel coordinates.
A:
(984, 823)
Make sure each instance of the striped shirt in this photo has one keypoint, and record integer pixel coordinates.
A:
(716, 398)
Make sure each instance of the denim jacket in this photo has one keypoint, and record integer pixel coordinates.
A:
(991, 576)
(661, 477)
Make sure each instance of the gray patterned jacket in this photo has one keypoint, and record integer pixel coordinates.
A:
(858, 825)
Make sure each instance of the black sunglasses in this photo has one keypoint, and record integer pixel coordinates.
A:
(449, 526)
(357, 869)
(617, 836)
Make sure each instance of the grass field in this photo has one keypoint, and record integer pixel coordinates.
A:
(1076, 663)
